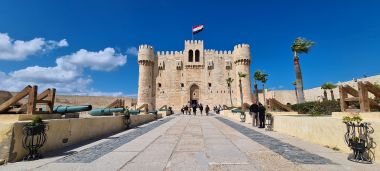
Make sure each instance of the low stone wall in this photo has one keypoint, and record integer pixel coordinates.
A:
(326, 131)
(323, 130)
(63, 132)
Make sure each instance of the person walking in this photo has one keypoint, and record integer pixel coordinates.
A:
(183, 110)
(186, 109)
(262, 115)
(254, 109)
(201, 108)
(194, 109)
(207, 110)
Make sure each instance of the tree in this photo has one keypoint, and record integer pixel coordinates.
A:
(229, 80)
(241, 75)
(295, 89)
(256, 77)
(324, 87)
(264, 79)
(329, 86)
(299, 46)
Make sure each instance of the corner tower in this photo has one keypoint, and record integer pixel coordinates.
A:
(146, 60)
(242, 61)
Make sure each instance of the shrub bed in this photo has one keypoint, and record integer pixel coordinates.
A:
(317, 108)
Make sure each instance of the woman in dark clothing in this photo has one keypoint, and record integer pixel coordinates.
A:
(201, 108)
(254, 109)
(207, 110)
(262, 115)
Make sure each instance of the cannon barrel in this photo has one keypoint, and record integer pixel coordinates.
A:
(105, 111)
(71, 109)
(134, 112)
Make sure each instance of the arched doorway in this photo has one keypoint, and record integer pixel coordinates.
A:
(194, 94)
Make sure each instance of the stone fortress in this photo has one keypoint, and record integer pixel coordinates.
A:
(194, 75)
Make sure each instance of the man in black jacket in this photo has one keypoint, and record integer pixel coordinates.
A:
(262, 115)
(254, 109)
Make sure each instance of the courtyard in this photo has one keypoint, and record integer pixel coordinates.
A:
(187, 142)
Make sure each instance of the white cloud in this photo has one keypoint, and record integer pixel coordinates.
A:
(132, 51)
(17, 50)
(104, 60)
(67, 76)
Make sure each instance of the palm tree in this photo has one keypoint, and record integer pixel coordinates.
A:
(324, 87)
(329, 86)
(295, 89)
(264, 79)
(229, 80)
(256, 77)
(300, 45)
(241, 75)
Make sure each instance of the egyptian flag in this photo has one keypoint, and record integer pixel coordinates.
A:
(197, 29)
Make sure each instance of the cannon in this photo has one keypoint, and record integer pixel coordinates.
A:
(105, 111)
(71, 109)
(134, 112)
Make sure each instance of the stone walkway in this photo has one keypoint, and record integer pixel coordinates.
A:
(195, 143)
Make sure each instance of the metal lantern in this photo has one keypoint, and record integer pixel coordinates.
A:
(269, 122)
(358, 139)
(34, 138)
(242, 117)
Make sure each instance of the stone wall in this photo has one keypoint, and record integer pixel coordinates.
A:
(62, 133)
(314, 94)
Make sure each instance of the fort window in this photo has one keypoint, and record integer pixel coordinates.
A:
(190, 55)
(182, 85)
(197, 56)
(209, 84)
(159, 85)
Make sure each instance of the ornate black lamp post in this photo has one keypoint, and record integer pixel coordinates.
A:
(358, 139)
(269, 122)
(34, 138)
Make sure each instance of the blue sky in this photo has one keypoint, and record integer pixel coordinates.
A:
(346, 32)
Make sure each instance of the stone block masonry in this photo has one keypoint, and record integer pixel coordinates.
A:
(193, 75)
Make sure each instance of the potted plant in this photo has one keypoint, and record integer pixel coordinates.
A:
(34, 138)
(358, 139)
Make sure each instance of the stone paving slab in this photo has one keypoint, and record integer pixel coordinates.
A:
(90, 154)
(288, 151)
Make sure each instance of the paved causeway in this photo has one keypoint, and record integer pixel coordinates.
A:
(195, 143)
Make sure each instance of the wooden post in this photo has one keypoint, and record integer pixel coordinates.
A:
(51, 98)
(363, 97)
(31, 108)
(343, 95)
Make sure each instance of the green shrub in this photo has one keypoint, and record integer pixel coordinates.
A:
(317, 108)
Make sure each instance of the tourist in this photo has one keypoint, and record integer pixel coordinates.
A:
(194, 109)
(253, 110)
(183, 110)
(201, 108)
(186, 110)
(261, 116)
(189, 110)
(207, 110)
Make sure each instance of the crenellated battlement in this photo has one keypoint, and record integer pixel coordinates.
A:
(169, 54)
(146, 52)
(145, 46)
(193, 42)
(240, 46)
